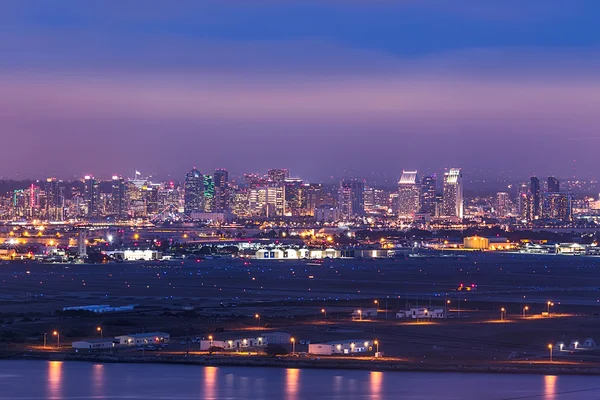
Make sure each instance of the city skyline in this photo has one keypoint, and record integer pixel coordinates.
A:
(271, 84)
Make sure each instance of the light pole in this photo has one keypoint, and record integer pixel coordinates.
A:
(360, 315)
(45, 335)
(293, 345)
(324, 311)
(211, 340)
(257, 317)
(57, 334)
(99, 329)
(550, 348)
(376, 343)
(502, 312)
(550, 304)
(525, 309)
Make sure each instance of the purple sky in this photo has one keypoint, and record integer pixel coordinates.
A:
(321, 88)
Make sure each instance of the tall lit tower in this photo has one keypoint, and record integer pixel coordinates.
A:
(222, 193)
(452, 203)
(553, 185)
(193, 192)
(536, 197)
(351, 197)
(54, 200)
(278, 175)
(428, 188)
(409, 193)
(91, 195)
(118, 197)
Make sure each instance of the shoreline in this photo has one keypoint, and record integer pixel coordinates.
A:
(321, 363)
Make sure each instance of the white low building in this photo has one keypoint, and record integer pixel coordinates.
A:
(342, 347)
(364, 313)
(295, 254)
(94, 344)
(422, 313)
(234, 342)
(142, 339)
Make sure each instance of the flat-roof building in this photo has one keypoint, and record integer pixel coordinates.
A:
(141, 339)
(94, 344)
(341, 347)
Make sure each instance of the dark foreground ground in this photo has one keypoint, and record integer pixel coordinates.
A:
(225, 296)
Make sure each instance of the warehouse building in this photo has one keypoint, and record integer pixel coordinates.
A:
(343, 347)
(142, 339)
(94, 344)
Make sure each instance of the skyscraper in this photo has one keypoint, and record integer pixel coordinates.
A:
(91, 195)
(351, 197)
(222, 192)
(452, 203)
(209, 193)
(428, 188)
(553, 185)
(54, 200)
(295, 198)
(409, 193)
(193, 192)
(502, 204)
(558, 207)
(536, 196)
(278, 175)
(118, 197)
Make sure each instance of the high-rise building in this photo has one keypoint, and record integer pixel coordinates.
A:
(193, 192)
(558, 207)
(278, 175)
(536, 197)
(409, 194)
(452, 203)
(91, 195)
(314, 193)
(118, 197)
(428, 190)
(222, 191)
(209, 193)
(351, 197)
(502, 204)
(295, 197)
(54, 200)
(553, 185)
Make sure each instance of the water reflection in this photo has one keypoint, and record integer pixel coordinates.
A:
(210, 382)
(55, 379)
(550, 387)
(292, 378)
(98, 380)
(375, 384)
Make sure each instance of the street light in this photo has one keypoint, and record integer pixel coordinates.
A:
(211, 340)
(502, 312)
(550, 304)
(258, 318)
(45, 335)
(99, 329)
(525, 309)
(57, 334)
(293, 345)
(550, 348)
(324, 311)
(376, 343)
(360, 315)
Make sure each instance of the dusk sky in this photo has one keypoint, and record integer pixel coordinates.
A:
(320, 87)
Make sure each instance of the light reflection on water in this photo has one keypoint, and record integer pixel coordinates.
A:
(80, 380)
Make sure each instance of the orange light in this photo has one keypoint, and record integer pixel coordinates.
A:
(55, 333)
(98, 329)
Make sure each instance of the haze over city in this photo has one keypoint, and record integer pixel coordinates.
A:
(317, 87)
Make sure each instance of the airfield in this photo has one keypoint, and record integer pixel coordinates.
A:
(314, 300)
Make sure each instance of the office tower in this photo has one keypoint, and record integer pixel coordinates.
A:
(553, 185)
(502, 204)
(209, 193)
(278, 175)
(193, 197)
(314, 193)
(54, 200)
(558, 207)
(221, 178)
(428, 188)
(369, 199)
(90, 195)
(452, 203)
(275, 200)
(351, 197)
(536, 194)
(240, 202)
(294, 196)
(150, 198)
(118, 197)
(409, 194)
